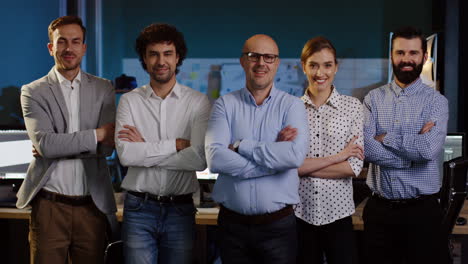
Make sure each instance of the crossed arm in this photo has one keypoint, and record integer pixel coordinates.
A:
(406, 148)
(254, 158)
(347, 163)
(48, 143)
(174, 154)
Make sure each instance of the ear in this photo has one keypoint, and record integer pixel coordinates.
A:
(177, 58)
(426, 55)
(85, 47)
(50, 47)
(303, 67)
(241, 61)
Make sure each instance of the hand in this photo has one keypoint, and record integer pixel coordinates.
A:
(105, 134)
(351, 150)
(287, 134)
(427, 127)
(34, 152)
(182, 144)
(130, 134)
(380, 138)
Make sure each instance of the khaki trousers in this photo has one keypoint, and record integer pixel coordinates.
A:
(61, 233)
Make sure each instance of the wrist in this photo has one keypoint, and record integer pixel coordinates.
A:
(236, 146)
(99, 136)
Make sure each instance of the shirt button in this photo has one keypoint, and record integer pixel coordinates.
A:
(317, 135)
(318, 116)
(315, 192)
(397, 121)
(316, 155)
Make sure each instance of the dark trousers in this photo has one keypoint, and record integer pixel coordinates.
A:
(335, 241)
(273, 243)
(60, 232)
(407, 233)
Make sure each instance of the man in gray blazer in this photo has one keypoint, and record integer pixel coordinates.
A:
(69, 116)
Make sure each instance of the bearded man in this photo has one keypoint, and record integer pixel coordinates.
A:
(405, 124)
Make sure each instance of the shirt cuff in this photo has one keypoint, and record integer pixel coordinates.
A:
(393, 141)
(95, 136)
(246, 148)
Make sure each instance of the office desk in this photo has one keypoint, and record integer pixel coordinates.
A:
(209, 216)
(204, 217)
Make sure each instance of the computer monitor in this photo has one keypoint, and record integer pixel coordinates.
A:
(15, 154)
(207, 176)
(454, 146)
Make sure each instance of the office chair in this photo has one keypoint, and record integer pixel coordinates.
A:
(114, 253)
(452, 196)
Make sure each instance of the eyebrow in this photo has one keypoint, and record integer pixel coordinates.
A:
(164, 51)
(314, 62)
(73, 39)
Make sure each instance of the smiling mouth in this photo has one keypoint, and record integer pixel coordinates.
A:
(406, 68)
(260, 73)
(320, 81)
(161, 70)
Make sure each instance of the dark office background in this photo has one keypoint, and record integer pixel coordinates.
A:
(213, 29)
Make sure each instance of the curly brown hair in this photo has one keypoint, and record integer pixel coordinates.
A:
(157, 33)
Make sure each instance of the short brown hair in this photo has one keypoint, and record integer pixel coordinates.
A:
(160, 33)
(65, 20)
(317, 44)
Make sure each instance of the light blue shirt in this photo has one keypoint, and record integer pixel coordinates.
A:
(406, 164)
(262, 177)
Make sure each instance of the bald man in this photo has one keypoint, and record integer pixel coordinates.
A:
(256, 139)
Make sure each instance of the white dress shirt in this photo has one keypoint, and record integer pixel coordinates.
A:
(332, 126)
(69, 176)
(154, 165)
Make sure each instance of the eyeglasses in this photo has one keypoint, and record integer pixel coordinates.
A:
(255, 57)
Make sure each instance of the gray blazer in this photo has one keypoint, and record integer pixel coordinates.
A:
(46, 119)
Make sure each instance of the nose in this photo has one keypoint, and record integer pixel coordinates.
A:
(261, 60)
(406, 58)
(319, 72)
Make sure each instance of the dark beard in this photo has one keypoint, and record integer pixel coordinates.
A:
(161, 80)
(407, 77)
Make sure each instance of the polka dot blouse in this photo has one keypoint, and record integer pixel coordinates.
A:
(331, 127)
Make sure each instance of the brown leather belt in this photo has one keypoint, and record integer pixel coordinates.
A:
(228, 215)
(65, 199)
(177, 199)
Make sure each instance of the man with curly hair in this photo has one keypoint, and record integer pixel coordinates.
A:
(160, 129)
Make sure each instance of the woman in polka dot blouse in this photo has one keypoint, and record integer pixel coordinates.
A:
(335, 156)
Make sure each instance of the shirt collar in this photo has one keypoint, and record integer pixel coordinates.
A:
(175, 92)
(62, 79)
(333, 100)
(246, 93)
(409, 90)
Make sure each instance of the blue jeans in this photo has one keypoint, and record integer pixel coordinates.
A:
(154, 232)
(274, 243)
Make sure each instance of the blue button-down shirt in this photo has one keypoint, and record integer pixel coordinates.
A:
(406, 164)
(262, 177)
